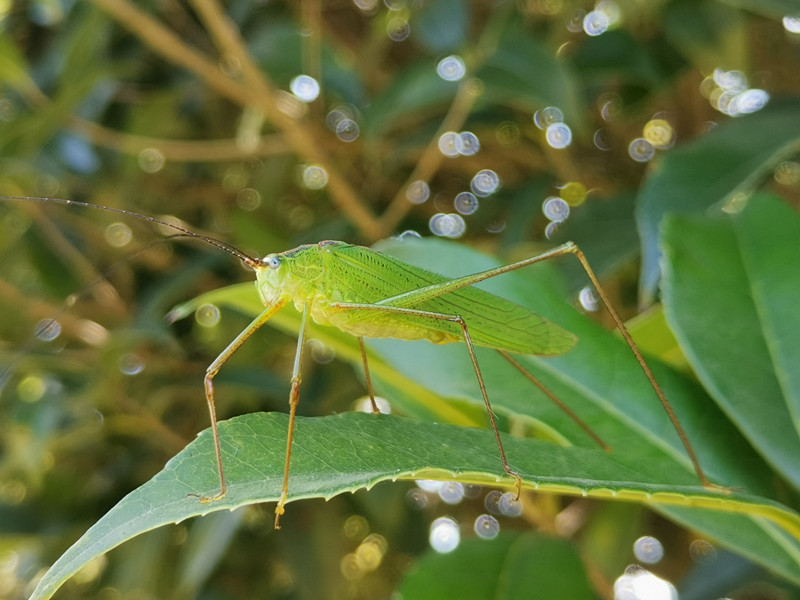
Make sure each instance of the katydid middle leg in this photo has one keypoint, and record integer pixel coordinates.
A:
(367, 378)
(433, 316)
(294, 400)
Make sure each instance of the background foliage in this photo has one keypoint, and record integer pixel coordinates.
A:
(184, 110)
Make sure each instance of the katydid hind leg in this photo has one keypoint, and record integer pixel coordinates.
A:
(482, 385)
(294, 400)
(211, 372)
(433, 316)
(419, 295)
(572, 248)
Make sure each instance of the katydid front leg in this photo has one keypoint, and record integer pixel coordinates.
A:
(294, 398)
(211, 372)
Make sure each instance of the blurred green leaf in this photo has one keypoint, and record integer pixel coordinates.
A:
(727, 164)
(769, 8)
(277, 44)
(622, 55)
(710, 34)
(415, 91)
(441, 25)
(730, 293)
(652, 334)
(516, 564)
(13, 69)
(589, 226)
(524, 74)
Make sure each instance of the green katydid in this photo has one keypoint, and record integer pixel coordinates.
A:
(370, 294)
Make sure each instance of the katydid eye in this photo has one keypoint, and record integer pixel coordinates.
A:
(272, 261)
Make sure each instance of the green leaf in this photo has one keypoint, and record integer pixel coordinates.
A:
(344, 453)
(730, 292)
(602, 383)
(598, 379)
(516, 562)
(725, 165)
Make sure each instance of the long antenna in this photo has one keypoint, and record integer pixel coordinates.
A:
(245, 258)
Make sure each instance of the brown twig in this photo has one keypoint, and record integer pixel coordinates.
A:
(298, 134)
(177, 150)
(255, 90)
(432, 158)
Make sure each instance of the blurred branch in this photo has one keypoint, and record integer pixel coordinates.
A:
(173, 150)
(71, 255)
(163, 41)
(300, 137)
(36, 308)
(178, 150)
(311, 20)
(466, 95)
(256, 91)
(432, 158)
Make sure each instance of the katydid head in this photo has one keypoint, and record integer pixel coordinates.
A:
(270, 275)
(291, 274)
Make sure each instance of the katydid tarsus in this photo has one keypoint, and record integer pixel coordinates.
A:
(372, 295)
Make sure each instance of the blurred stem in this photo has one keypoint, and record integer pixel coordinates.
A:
(256, 91)
(311, 19)
(301, 138)
(173, 150)
(163, 41)
(432, 158)
(33, 308)
(143, 426)
(178, 150)
(560, 163)
(466, 95)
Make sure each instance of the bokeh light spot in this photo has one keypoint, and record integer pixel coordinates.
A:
(305, 88)
(451, 68)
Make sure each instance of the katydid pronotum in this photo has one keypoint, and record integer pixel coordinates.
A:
(370, 294)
